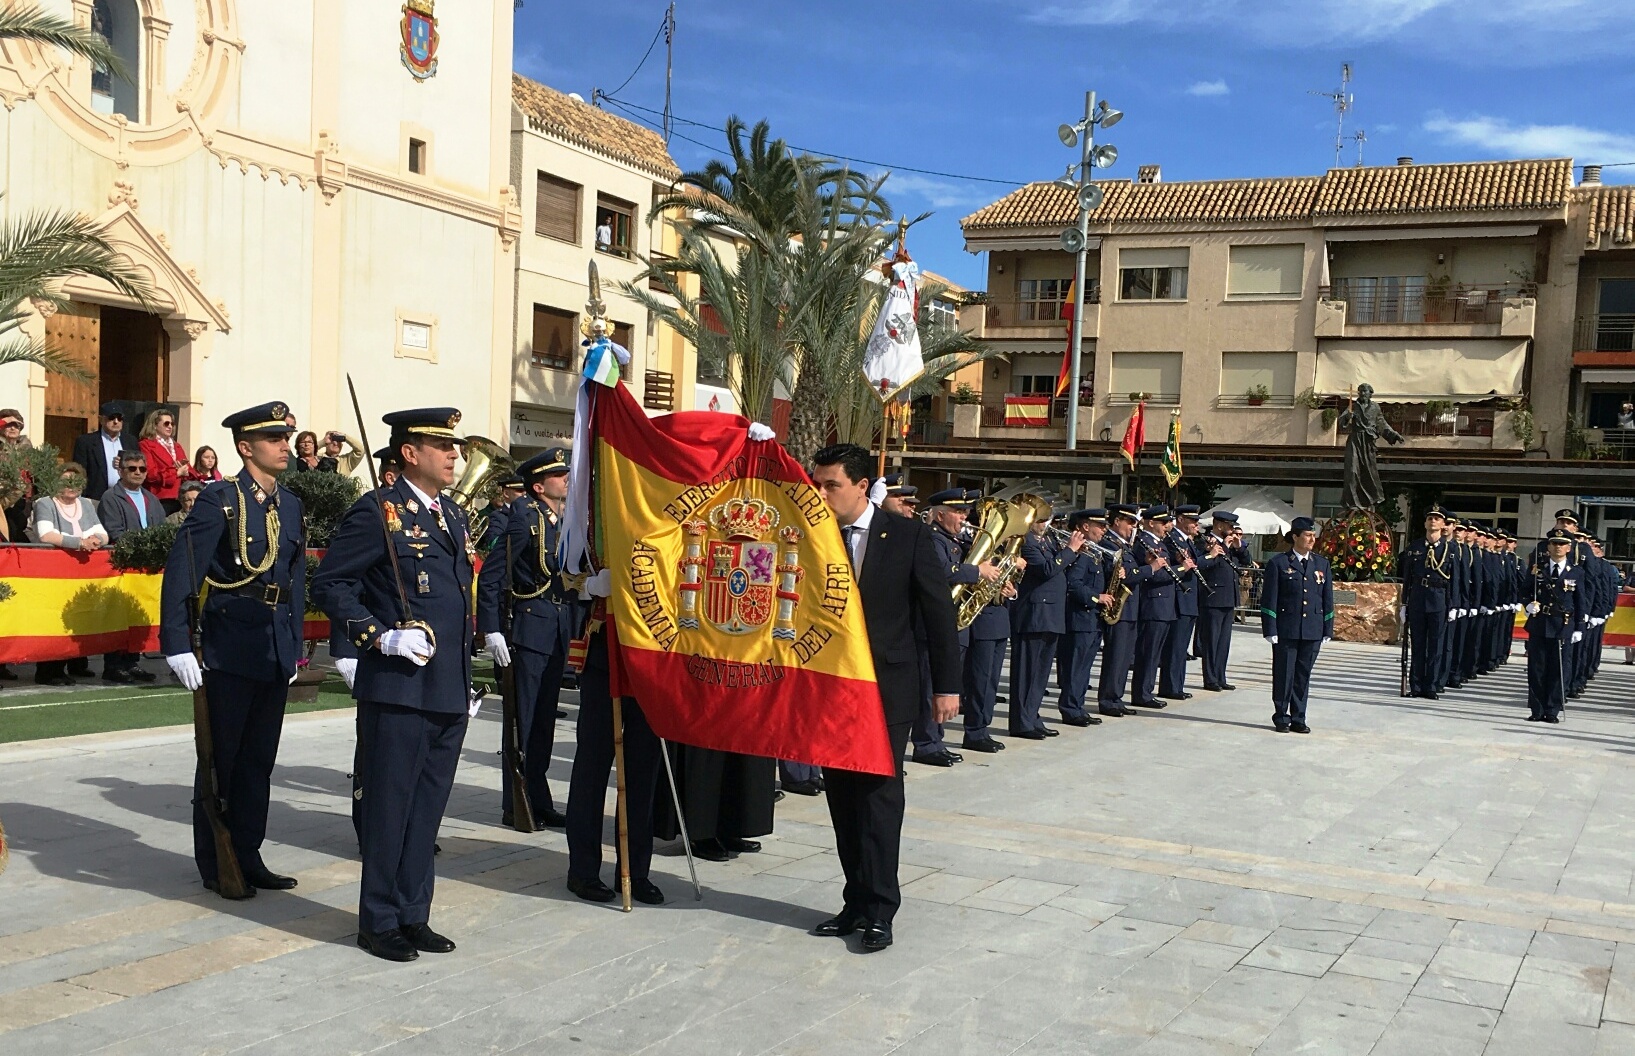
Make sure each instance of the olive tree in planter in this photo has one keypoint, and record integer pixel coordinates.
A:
(325, 497)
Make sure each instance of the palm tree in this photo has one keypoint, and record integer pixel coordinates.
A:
(39, 250)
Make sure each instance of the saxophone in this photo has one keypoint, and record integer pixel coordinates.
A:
(1001, 527)
(1119, 589)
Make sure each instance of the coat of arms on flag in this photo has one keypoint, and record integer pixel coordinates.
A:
(738, 579)
(419, 49)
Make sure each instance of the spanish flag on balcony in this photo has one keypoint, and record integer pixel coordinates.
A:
(1064, 376)
(1027, 411)
(733, 619)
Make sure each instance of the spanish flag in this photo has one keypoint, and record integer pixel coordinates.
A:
(734, 618)
(1064, 376)
(1135, 434)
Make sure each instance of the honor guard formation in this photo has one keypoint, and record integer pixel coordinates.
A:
(1108, 606)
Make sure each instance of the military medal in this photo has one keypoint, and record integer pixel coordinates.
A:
(423, 582)
(417, 531)
(413, 506)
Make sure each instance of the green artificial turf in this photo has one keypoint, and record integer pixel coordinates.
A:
(30, 716)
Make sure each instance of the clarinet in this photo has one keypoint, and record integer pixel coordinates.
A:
(1175, 549)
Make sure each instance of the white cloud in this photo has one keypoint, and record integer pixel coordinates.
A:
(939, 194)
(1215, 87)
(1498, 136)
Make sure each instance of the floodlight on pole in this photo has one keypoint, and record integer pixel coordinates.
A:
(1076, 239)
(1068, 135)
(1104, 156)
(1107, 117)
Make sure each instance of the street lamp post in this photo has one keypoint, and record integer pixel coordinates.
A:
(1076, 240)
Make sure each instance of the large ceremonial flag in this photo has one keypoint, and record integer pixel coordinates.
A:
(1172, 451)
(736, 623)
(1135, 434)
(893, 359)
(1027, 411)
(1064, 376)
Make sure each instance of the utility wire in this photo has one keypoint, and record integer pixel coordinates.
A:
(628, 106)
(645, 56)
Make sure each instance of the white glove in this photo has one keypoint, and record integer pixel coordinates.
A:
(497, 648)
(1453, 614)
(757, 431)
(1272, 638)
(1487, 612)
(293, 677)
(1598, 621)
(1402, 613)
(1532, 608)
(1578, 636)
(348, 667)
(598, 586)
(185, 666)
(410, 643)
(877, 491)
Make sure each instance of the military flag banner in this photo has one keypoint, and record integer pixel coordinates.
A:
(1064, 376)
(1172, 451)
(735, 620)
(1135, 434)
(893, 358)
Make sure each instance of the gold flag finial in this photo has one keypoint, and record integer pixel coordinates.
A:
(595, 324)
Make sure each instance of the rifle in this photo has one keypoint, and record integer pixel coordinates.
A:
(230, 881)
(522, 808)
(1402, 605)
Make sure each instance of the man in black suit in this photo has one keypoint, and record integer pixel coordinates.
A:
(1219, 574)
(96, 451)
(900, 579)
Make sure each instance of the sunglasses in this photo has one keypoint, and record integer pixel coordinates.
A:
(136, 469)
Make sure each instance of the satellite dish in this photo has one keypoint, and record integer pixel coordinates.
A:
(576, 97)
(1090, 197)
(1072, 240)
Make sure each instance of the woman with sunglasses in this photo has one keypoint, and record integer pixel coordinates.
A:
(167, 460)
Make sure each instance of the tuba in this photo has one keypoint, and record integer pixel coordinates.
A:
(1001, 527)
(486, 463)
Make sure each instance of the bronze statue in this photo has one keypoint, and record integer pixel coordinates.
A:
(1363, 490)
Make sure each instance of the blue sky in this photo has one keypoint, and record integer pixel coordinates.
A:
(1210, 88)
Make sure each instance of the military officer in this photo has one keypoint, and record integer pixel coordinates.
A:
(949, 508)
(522, 579)
(1430, 598)
(511, 488)
(1119, 639)
(1297, 617)
(397, 585)
(1038, 620)
(901, 498)
(988, 636)
(390, 466)
(1567, 521)
(1158, 606)
(1172, 675)
(1554, 621)
(1087, 599)
(1607, 598)
(1219, 575)
(245, 544)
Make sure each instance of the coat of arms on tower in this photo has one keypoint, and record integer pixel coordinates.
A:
(740, 571)
(419, 48)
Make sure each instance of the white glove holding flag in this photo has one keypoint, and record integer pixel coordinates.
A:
(877, 491)
(410, 643)
(1578, 636)
(1272, 638)
(185, 666)
(501, 652)
(1532, 608)
(348, 667)
(599, 586)
(758, 432)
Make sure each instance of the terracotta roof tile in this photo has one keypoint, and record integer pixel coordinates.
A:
(1218, 201)
(1464, 187)
(583, 125)
(1035, 205)
(1611, 214)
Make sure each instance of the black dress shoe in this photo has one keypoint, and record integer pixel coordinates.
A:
(7, 674)
(1030, 735)
(646, 892)
(1114, 712)
(1535, 718)
(267, 880)
(876, 935)
(1152, 704)
(1280, 729)
(1299, 727)
(1076, 720)
(738, 845)
(387, 945)
(1000, 698)
(840, 925)
(1048, 732)
(935, 759)
(955, 756)
(1225, 686)
(710, 851)
(983, 744)
(58, 680)
(139, 675)
(422, 938)
(803, 788)
(1176, 696)
(1211, 689)
(1552, 718)
(80, 666)
(122, 677)
(561, 713)
(551, 818)
(212, 885)
(591, 890)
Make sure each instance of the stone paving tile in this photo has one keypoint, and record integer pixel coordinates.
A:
(1290, 959)
(1499, 968)
(1461, 991)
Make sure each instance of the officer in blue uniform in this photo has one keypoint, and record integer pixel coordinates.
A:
(1087, 599)
(1119, 639)
(521, 578)
(1172, 676)
(1038, 620)
(408, 621)
(511, 488)
(245, 545)
(1606, 602)
(1554, 622)
(949, 509)
(1431, 595)
(1158, 606)
(1595, 595)
(1297, 617)
(926, 733)
(1218, 575)
(989, 635)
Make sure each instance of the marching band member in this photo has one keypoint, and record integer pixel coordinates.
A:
(949, 509)
(1220, 575)
(1172, 675)
(986, 640)
(1118, 652)
(1039, 617)
(1087, 598)
(1158, 606)
(1297, 617)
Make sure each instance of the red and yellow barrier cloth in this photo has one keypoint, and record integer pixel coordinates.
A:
(1620, 629)
(736, 622)
(71, 603)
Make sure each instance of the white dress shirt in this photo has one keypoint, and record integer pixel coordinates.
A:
(111, 447)
(857, 542)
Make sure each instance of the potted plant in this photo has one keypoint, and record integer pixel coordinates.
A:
(1438, 289)
(965, 395)
(1256, 395)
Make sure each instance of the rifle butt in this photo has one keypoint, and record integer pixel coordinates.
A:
(230, 882)
(522, 808)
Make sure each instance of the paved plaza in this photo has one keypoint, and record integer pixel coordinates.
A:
(1415, 878)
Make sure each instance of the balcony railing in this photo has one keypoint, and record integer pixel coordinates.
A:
(659, 391)
(1608, 332)
(1413, 299)
(1013, 312)
(994, 417)
(1416, 419)
(922, 432)
(1240, 400)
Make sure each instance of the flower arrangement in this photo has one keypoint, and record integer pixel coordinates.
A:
(1358, 547)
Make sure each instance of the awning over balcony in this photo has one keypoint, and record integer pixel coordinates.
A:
(1422, 370)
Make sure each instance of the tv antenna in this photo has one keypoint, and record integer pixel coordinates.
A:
(1343, 101)
(1360, 137)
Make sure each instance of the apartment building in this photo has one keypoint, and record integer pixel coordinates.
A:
(587, 180)
(1463, 293)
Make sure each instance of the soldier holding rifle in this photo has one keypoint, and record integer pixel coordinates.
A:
(1430, 598)
(1553, 624)
(237, 574)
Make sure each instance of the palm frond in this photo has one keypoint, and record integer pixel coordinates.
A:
(40, 27)
(50, 357)
(41, 248)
